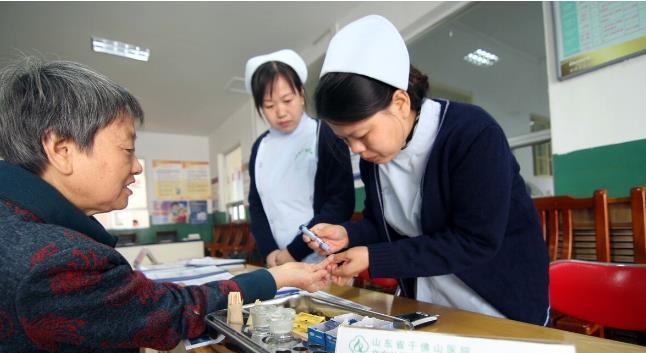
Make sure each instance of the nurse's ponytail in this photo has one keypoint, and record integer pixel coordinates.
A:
(418, 87)
(347, 97)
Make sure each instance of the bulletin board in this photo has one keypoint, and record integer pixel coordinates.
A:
(591, 35)
(182, 192)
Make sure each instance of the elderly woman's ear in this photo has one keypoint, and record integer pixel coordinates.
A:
(59, 152)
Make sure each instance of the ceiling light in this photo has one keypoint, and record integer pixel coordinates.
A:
(109, 46)
(481, 57)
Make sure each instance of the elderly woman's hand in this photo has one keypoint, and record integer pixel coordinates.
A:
(310, 277)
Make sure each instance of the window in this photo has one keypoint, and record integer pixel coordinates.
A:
(542, 152)
(234, 185)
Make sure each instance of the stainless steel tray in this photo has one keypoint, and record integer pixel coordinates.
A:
(302, 302)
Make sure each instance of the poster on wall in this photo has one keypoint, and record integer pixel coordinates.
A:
(198, 213)
(215, 194)
(167, 212)
(198, 186)
(590, 35)
(168, 177)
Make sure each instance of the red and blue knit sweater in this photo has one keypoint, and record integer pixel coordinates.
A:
(65, 289)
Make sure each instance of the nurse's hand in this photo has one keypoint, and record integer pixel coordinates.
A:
(334, 235)
(309, 277)
(345, 265)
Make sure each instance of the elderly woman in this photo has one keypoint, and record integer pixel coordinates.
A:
(67, 136)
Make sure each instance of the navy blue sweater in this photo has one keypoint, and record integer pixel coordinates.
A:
(333, 193)
(64, 288)
(478, 221)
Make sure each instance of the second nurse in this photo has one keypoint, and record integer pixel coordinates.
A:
(300, 171)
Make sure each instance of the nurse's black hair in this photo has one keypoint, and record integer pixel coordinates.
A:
(265, 75)
(343, 98)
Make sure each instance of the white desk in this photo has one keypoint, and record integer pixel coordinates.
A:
(165, 252)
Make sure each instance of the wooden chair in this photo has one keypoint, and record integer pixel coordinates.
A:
(247, 245)
(234, 240)
(638, 208)
(222, 238)
(217, 233)
(555, 213)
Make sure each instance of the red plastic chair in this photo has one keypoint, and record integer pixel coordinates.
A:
(608, 294)
(388, 285)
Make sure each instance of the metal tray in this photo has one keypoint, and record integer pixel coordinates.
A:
(301, 302)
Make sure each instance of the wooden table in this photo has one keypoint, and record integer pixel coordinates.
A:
(459, 322)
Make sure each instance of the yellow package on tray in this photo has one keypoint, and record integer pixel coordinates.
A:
(304, 320)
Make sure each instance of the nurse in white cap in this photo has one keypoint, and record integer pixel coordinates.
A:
(446, 209)
(300, 171)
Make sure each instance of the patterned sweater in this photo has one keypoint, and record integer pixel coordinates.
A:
(65, 289)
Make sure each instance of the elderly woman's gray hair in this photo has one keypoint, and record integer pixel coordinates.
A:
(62, 97)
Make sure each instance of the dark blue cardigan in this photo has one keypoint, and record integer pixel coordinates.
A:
(333, 193)
(478, 221)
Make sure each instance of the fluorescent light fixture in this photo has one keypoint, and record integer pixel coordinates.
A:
(481, 57)
(109, 46)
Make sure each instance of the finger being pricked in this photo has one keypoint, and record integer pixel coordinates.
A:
(322, 279)
(323, 265)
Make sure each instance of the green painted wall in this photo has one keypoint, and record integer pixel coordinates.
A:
(359, 198)
(147, 235)
(614, 167)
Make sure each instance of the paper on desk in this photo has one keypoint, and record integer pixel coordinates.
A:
(202, 280)
(210, 261)
(165, 266)
(204, 340)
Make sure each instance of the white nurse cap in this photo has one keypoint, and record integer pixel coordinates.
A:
(286, 56)
(370, 46)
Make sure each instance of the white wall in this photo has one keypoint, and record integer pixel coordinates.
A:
(511, 91)
(598, 108)
(150, 146)
(240, 129)
(244, 125)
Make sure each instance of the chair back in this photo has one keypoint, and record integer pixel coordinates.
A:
(608, 294)
(555, 213)
(638, 207)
